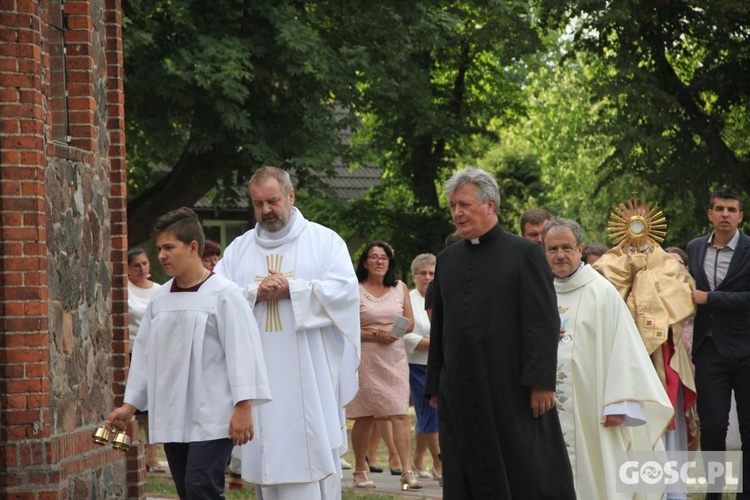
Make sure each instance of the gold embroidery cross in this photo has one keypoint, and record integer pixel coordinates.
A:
(273, 317)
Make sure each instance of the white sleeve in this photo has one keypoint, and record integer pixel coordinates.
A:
(633, 411)
(319, 303)
(136, 390)
(246, 365)
(411, 340)
(227, 267)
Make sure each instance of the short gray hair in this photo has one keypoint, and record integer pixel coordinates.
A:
(265, 173)
(422, 260)
(486, 184)
(564, 223)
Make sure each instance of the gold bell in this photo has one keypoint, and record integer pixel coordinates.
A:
(121, 441)
(101, 435)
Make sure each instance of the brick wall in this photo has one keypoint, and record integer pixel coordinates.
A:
(63, 322)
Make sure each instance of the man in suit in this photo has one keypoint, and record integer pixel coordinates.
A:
(720, 264)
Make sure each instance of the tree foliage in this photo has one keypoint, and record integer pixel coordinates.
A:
(573, 104)
(435, 76)
(550, 156)
(675, 74)
(385, 213)
(215, 89)
(439, 72)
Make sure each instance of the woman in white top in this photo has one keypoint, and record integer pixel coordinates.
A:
(140, 290)
(417, 345)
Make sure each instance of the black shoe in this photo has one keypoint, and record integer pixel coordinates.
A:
(373, 469)
(394, 472)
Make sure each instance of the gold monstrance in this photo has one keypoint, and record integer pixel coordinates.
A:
(637, 226)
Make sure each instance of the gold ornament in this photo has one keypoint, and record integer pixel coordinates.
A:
(104, 435)
(101, 435)
(637, 226)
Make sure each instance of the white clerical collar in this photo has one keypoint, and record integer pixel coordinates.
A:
(281, 233)
(568, 278)
(293, 228)
(491, 234)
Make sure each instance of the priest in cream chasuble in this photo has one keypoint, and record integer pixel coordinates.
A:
(609, 397)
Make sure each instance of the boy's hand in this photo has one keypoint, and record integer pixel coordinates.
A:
(120, 417)
(241, 425)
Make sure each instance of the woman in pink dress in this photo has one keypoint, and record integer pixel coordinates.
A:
(384, 370)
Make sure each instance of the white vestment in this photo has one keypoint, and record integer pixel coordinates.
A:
(603, 364)
(311, 343)
(196, 355)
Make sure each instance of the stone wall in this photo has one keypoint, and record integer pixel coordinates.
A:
(62, 255)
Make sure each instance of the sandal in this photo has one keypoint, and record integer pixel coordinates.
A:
(421, 473)
(410, 484)
(366, 484)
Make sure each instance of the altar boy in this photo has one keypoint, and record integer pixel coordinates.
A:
(197, 364)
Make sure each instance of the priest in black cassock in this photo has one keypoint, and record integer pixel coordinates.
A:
(493, 357)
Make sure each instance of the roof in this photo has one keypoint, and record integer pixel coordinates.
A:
(346, 185)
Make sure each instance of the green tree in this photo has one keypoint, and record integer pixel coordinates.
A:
(562, 141)
(215, 89)
(560, 134)
(675, 74)
(437, 74)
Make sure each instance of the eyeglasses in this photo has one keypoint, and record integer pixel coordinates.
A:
(425, 274)
(375, 258)
(565, 250)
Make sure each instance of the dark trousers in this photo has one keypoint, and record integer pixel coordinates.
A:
(715, 378)
(460, 480)
(455, 482)
(198, 468)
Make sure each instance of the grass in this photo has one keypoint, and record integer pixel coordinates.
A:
(353, 495)
(163, 487)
